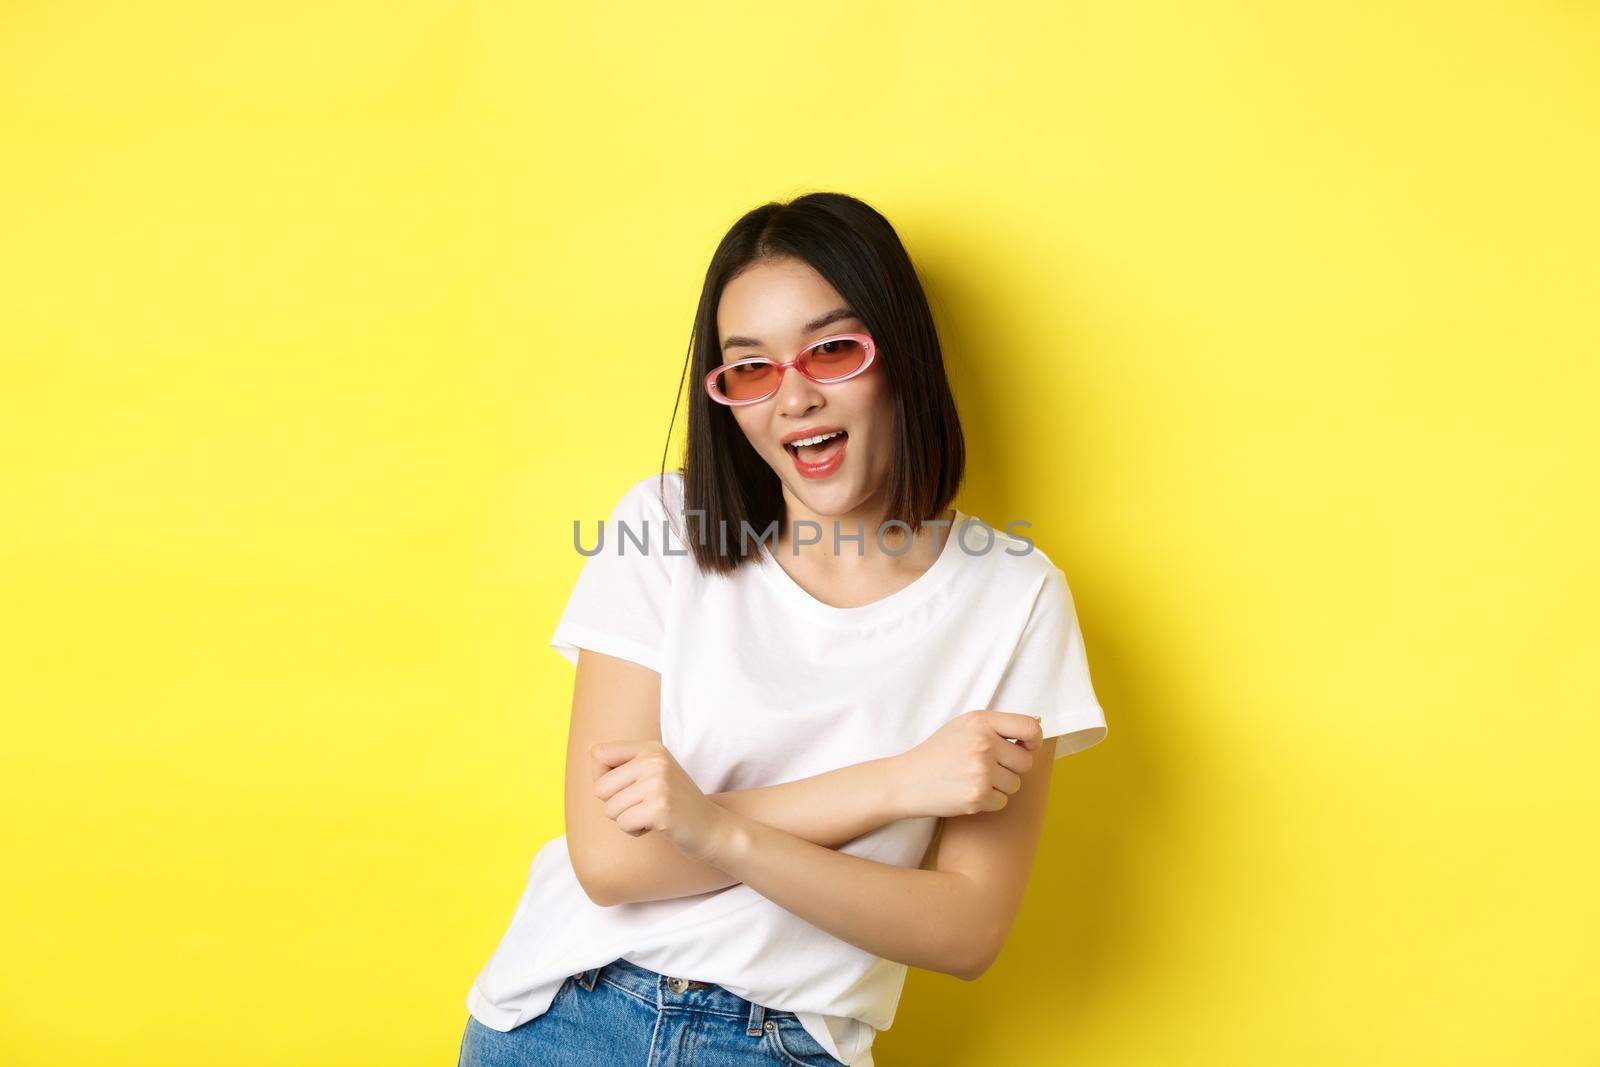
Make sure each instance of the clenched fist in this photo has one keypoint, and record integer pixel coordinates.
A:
(645, 789)
(968, 765)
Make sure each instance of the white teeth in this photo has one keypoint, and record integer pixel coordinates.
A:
(814, 440)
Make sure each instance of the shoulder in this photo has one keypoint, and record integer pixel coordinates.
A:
(650, 510)
(654, 496)
(1009, 559)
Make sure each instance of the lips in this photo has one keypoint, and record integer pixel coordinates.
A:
(819, 461)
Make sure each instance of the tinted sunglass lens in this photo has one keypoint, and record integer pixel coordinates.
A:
(749, 381)
(835, 359)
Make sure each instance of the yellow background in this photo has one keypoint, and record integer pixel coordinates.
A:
(322, 322)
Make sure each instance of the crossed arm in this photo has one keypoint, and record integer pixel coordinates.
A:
(953, 918)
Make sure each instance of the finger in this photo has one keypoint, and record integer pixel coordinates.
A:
(634, 820)
(1014, 758)
(1006, 781)
(615, 778)
(1027, 730)
(639, 819)
(626, 798)
(613, 753)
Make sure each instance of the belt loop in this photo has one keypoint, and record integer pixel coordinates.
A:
(756, 1014)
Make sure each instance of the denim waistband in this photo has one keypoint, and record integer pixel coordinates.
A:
(671, 992)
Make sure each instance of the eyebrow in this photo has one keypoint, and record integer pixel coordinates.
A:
(815, 324)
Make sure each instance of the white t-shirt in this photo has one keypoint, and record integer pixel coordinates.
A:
(762, 683)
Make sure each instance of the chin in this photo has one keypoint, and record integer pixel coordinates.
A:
(828, 501)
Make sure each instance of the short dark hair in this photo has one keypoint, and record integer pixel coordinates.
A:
(856, 249)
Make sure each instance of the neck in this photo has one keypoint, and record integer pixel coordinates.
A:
(815, 534)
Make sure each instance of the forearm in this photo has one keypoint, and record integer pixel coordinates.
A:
(923, 918)
(826, 810)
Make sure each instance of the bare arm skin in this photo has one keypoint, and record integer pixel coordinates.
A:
(994, 852)
(954, 918)
(615, 697)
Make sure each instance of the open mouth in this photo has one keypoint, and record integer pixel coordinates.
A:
(818, 453)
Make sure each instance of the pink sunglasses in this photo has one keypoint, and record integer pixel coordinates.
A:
(832, 359)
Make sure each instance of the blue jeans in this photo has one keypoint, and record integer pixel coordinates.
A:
(632, 1016)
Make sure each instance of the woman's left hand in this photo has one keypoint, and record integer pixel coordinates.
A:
(645, 789)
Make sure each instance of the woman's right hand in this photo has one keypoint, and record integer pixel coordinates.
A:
(967, 765)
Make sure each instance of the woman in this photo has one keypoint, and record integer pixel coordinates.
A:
(766, 734)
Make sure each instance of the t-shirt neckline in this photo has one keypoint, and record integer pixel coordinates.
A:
(929, 582)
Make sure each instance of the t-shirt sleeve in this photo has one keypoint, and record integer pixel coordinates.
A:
(618, 605)
(1048, 675)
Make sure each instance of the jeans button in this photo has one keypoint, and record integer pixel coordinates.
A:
(677, 985)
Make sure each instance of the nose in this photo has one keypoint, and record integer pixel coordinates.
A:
(797, 394)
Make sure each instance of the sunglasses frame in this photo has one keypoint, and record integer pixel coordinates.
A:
(865, 339)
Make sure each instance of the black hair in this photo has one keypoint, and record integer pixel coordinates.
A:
(855, 248)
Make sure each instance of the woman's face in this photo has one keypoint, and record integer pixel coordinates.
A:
(775, 309)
